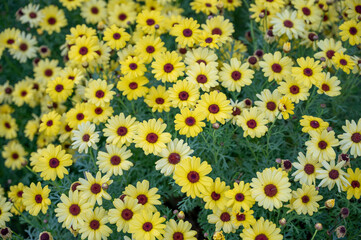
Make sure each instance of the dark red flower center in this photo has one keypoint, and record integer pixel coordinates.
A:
(80, 116)
(294, 89)
(193, 176)
(315, 124)
(239, 197)
(74, 209)
(44, 236)
(152, 137)
(325, 87)
(215, 196)
(122, 131)
(305, 199)
(94, 224)
(83, 50)
(159, 100)
(208, 40)
(4, 231)
(48, 72)
(333, 174)
(308, 72)
(168, 68)
(251, 123)
(236, 111)
(271, 106)
(330, 54)
(236, 75)
(174, 158)
(270, 190)
(74, 186)
(8, 90)
(38, 198)
(23, 47)
(150, 22)
(240, 217)
(225, 217)
(213, 108)
(201, 78)
(199, 61)
(94, 10)
(309, 169)
(133, 85)
(178, 236)
(187, 32)
(122, 17)
(86, 137)
(355, 184)
(276, 68)
(99, 94)
(133, 66)
(54, 162)
(150, 49)
(15, 156)
(183, 95)
(115, 160)
(49, 123)
(217, 31)
(261, 237)
(51, 21)
(95, 188)
(190, 121)
(147, 226)
(306, 11)
(127, 214)
(353, 30)
(116, 36)
(32, 15)
(343, 62)
(356, 137)
(7, 125)
(252, 60)
(288, 24)
(322, 144)
(142, 199)
(358, 8)
(20, 194)
(98, 110)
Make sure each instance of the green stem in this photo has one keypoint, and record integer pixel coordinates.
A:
(92, 157)
(31, 170)
(253, 153)
(314, 235)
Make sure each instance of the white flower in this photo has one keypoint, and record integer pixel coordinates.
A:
(85, 137)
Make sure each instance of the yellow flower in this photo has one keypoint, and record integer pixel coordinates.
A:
(36, 198)
(189, 123)
(216, 106)
(262, 229)
(115, 37)
(305, 200)
(354, 189)
(253, 123)
(147, 225)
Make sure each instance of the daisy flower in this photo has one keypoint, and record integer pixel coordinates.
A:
(320, 145)
(173, 154)
(120, 130)
(262, 229)
(85, 137)
(309, 71)
(332, 175)
(240, 197)
(115, 37)
(151, 136)
(204, 76)
(94, 225)
(168, 66)
(351, 139)
(307, 168)
(286, 22)
(5, 213)
(72, 209)
(215, 195)
(158, 99)
(329, 85)
(310, 123)
(133, 88)
(235, 75)
(271, 188)
(253, 123)
(36, 198)
(115, 160)
(98, 92)
(216, 106)
(145, 196)
(191, 175)
(305, 200)
(245, 218)
(181, 230)
(276, 67)
(123, 213)
(223, 219)
(186, 32)
(183, 94)
(147, 225)
(354, 189)
(94, 189)
(189, 123)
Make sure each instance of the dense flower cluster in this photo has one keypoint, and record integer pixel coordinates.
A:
(140, 109)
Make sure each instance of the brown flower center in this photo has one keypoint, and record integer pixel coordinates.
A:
(152, 137)
(174, 158)
(270, 190)
(122, 131)
(356, 137)
(95, 188)
(215, 196)
(168, 68)
(127, 214)
(115, 160)
(74, 209)
(333, 174)
(322, 145)
(147, 226)
(94, 224)
(236, 75)
(305, 199)
(54, 162)
(251, 123)
(225, 217)
(38, 198)
(288, 24)
(309, 169)
(202, 78)
(213, 108)
(193, 176)
(276, 68)
(142, 199)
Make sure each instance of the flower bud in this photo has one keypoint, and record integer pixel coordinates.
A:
(287, 47)
(344, 212)
(330, 203)
(329, 129)
(261, 15)
(181, 215)
(341, 231)
(248, 36)
(318, 226)
(101, 26)
(286, 165)
(247, 103)
(85, 64)
(105, 186)
(344, 157)
(259, 53)
(156, 26)
(5, 233)
(282, 222)
(215, 125)
(218, 236)
(278, 160)
(175, 212)
(45, 235)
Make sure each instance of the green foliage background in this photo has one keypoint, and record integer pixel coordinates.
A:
(231, 155)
